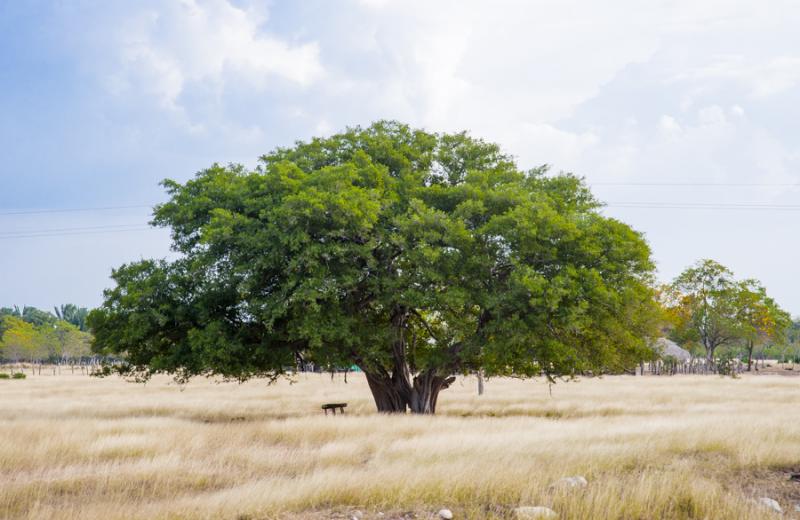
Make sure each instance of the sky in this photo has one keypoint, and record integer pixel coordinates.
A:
(683, 116)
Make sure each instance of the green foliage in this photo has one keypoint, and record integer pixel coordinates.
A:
(710, 308)
(400, 251)
(726, 365)
(10, 311)
(73, 314)
(37, 317)
(22, 340)
(69, 312)
(760, 316)
(19, 375)
(793, 331)
(702, 303)
(19, 338)
(30, 315)
(3, 375)
(65, 340)
(783, 352)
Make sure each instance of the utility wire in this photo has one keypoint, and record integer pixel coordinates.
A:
(72, 233)
(705, 205)
(108, 227)
(124, 228)
(71, 210)
(591, 183)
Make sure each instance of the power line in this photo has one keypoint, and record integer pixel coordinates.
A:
(706, 205)
(591, 183)
(108, 227)
(123, 228)
(598, 183)
(71, 210)
(73, 233)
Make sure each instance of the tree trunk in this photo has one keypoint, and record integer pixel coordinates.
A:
(425, 391)
(392, 394)
(710, 358)
(480, 382)
(397, 391)
(388, 398)
(749, 355)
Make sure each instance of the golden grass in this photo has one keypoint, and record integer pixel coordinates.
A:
(654, 447)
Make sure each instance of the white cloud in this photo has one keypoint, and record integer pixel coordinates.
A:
(476, 65)
(711, 115)
(762, 76)
(678, 91)
(213, 42)
(669, 125)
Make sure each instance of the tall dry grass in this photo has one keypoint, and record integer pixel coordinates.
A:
(684, 447)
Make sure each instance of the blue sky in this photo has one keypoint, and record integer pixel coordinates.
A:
(100, 100)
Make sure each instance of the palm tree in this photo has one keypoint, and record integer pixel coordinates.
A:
(71, 313)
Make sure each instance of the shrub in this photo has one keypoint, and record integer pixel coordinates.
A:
(4, 376)
(19, 375)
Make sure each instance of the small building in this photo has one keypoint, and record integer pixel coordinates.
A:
(669, 349)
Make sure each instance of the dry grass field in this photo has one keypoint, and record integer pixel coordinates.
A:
(651, 447)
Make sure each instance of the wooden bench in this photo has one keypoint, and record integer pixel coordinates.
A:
(333, 407)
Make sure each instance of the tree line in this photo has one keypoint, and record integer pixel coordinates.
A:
(31, 335)
(719, 317)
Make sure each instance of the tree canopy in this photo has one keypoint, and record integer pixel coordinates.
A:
(56, 340)
(28, 314)
(709, 306)
(73, 314)
(414, 255)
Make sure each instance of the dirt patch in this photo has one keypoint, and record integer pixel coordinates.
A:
(781, 484)
(777, 369)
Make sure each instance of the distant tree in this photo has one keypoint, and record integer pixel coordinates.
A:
(4, 323)
(10, 311)
(39, 335)
(73, 314)
(74, 343)
(415, 256)
(701, 302)
(793, 332)
(63, 340)
(708, 306)
(19, 339)
(759, 317)
(36, 316)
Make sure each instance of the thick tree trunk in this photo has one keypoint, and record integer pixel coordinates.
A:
(425, 391)
(396, 391)
(388, 398)
(749, 355)
(393, 395)
(480, 381)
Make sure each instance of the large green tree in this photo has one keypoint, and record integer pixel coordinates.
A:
(416, 256)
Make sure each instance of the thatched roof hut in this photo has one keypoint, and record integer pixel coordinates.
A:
(666, 348)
